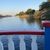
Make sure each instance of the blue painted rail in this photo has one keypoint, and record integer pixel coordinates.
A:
(46, 24)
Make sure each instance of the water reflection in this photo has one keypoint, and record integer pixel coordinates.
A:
(16, 24)
(30, 19)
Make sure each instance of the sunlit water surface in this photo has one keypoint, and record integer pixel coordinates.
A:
(16, 24)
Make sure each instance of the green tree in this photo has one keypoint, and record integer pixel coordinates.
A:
(21, 13)
(30, 11)
(46, 15)
(45, 8)
(45, 5)
(48, 0)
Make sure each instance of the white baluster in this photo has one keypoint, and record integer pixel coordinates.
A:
(11, 43)
(1, 45)
(22, 43)
(34, 44)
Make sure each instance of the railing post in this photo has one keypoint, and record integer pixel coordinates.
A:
(1, 44)
(34, 43)
(11, 43)
(47, 35)
(22, 43)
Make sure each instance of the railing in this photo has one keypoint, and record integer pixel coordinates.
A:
(20, 40)
(41, 32)
(17, 41)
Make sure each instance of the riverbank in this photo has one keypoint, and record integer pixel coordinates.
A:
(24, 16)
(3, 16)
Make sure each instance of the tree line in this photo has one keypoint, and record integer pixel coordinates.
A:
(29, 11)
(44, 8)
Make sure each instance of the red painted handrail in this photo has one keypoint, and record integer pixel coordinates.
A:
(26, 32)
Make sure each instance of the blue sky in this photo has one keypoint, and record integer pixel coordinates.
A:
(15, 6)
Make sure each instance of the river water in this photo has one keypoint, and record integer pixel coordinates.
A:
(16, 24)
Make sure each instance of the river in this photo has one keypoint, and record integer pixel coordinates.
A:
(17, 24)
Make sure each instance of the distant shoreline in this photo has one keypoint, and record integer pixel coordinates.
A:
(2, 16)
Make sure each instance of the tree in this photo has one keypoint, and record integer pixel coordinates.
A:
(45, 8)
(21, 13)
(45, 5)
(46, 15)
(30, 11)
(48, 0)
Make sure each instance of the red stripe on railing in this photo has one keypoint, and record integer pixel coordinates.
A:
(20, 33)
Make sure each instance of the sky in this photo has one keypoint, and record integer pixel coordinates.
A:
(15, 6)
